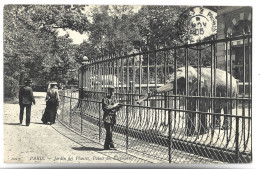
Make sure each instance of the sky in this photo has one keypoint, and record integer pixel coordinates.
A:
(76, 36)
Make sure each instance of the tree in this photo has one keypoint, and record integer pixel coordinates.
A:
(31, 40)
(113, 31)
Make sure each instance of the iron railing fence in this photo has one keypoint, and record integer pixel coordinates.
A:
(161, 134)
(195, 100)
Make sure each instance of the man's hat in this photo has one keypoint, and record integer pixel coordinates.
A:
(110, 87)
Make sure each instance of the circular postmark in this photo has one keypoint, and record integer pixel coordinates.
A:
(196, 24)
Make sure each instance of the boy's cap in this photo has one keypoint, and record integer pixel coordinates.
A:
(110, 87)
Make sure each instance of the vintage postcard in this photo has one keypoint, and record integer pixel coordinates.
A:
(124, 84)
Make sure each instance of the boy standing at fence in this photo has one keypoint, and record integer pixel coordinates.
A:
(110, 106)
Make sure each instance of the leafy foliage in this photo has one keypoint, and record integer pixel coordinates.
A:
(32, 44)
(31, 41)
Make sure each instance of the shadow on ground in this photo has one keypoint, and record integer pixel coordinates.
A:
(38, 123)
(11, 101)
(12, 123)
(87, 148)
(39, 96)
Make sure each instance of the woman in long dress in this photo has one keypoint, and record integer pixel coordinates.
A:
(52, 103)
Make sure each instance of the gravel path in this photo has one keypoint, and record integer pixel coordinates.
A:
(39, 143)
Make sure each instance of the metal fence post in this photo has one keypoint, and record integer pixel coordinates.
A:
(237, 140)
(64, 98)
(127, 127)
(70, 106)
(170, 136)
(99, 122)
(81, 119)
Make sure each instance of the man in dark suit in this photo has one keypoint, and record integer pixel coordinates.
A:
(26, 99)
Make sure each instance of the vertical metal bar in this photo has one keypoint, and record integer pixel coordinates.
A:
(148, 74)
(212, 94)
(215, 68)
(99, 69)
(91, 75)
(64, 97)
(200, 65)
(212, 91)
(95, 74)
(237, 102)
(82, 82)
(226, 58)
(187, 114)
(226, 76)
(70, 106)
(88, 78)
(249, 87)
(237, 140)
(122, 74)
(170, 136)
(244, 66)
(166, 99)
(101, 76)
(186, 75)
(127, 80)
(165, 66)
(117, 76)
(231, 67)
(140, 83)
(155, 66)
(109, 72)
(249, 75)
(200, 105)
(212, 65)
(187, 70)
(244, 92)
(81, 120)
(99, 121)
(133, 80)
(106, 75)
(92, 78)
(127, 128)
(140, 74)
(113, 71)
(198, 68)
(175, 85)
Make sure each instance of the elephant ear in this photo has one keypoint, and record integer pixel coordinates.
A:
(179, 74)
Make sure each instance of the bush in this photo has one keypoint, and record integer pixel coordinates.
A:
(10, 87)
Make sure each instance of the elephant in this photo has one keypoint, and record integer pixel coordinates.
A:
(203, 80)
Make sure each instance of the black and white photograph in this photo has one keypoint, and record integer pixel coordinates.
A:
(128, 84)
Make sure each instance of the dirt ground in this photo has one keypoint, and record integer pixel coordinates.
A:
(40, 143)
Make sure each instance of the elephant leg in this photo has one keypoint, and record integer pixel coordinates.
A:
(216, 118)
(226, 119)
(190, 117)
(203, 119)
